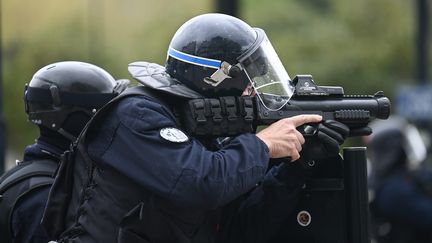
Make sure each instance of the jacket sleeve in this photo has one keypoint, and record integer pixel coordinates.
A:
(185, 172)
(259, 216)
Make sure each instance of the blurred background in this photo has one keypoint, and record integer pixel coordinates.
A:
(363, 45)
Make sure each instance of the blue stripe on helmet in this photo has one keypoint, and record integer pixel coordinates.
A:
(200, 61)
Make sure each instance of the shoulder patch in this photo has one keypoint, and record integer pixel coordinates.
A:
(173, 134)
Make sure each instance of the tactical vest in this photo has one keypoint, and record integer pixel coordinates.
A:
(78, 211)
(19, 181)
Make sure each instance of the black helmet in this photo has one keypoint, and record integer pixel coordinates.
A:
(218, 55)
(395, 143)
(63, 96)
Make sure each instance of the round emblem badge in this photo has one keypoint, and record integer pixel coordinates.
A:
(173, 135)
(304, 218)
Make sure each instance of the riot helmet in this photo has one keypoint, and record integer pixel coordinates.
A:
(395, 143)
(219, 55)
(63, 96)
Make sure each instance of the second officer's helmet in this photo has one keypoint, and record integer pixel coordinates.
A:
(63, 96)
(219, 55)
(395, 143)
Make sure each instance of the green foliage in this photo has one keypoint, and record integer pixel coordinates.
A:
(362, 45)
(108, 34)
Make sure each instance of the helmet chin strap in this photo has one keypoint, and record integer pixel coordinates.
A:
(67, 135)
(53, 138)
(71, 127)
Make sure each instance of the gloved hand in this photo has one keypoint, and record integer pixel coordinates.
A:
(323, 140)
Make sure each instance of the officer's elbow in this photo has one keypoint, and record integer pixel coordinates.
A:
(200, 192)
(207, 192)
(217, 182)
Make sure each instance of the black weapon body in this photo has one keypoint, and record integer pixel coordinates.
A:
(355, 111)
(229, 116)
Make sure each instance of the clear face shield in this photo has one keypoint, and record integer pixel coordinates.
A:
(266, 73)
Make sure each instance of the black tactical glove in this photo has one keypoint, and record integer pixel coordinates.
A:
(323, 140)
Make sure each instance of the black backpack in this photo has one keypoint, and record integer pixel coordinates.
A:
(54, 218)
(19, 181)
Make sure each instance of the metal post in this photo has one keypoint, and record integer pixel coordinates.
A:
(422, 41)
(229, 7)
(356, 194)
(2, 124)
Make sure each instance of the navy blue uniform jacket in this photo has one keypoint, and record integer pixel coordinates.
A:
(188, 174)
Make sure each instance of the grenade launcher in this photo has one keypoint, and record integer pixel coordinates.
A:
(230, 116)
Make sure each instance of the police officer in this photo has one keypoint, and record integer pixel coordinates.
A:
(401, 184)
(136, 176)
(60, 99)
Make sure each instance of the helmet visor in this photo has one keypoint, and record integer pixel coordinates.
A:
(267, 73)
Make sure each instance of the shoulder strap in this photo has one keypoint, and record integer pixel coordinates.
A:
(133, 91)
(26, 170)
(16, 183)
